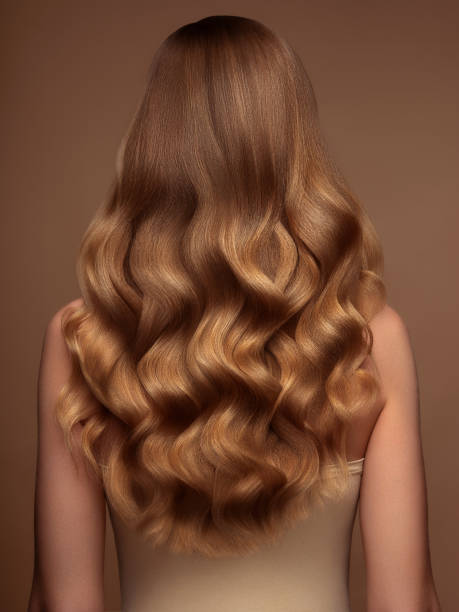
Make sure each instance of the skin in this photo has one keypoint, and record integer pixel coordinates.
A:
(70, 504)
(393, 496)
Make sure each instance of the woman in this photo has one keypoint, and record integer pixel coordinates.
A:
(232, 381)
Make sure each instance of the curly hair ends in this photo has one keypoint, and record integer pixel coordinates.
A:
(227, 284)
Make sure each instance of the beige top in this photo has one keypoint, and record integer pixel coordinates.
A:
(305, 571)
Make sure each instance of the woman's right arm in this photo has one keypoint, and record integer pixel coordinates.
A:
(393, 497)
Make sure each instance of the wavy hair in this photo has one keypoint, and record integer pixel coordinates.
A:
(227, 280)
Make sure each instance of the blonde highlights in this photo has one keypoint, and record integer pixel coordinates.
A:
(227, 281)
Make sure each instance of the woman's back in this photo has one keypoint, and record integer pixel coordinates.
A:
(305, 570)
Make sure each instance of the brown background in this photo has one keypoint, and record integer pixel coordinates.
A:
(385, 75)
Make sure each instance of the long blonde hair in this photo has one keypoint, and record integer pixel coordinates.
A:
(228, 280)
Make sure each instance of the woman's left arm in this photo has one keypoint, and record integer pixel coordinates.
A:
(70, 507)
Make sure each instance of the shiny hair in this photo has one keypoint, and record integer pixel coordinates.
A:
(227, 280)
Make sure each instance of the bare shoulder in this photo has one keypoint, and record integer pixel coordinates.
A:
(55, 355)
(388, 326)
(55, 322)
(72, 305)
(392, 350)
(387, 316)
